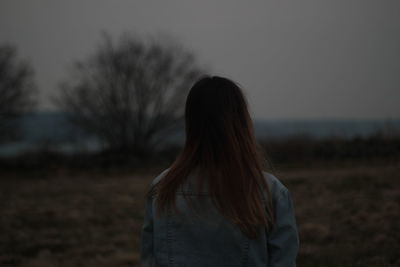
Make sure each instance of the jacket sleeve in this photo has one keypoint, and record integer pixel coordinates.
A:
(146, 245)
(283, 240)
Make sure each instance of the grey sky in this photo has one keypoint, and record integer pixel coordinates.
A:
(294, 59)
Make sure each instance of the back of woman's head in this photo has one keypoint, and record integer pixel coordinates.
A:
(220, 143)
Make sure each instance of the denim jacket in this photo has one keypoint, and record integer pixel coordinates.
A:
(188, 241)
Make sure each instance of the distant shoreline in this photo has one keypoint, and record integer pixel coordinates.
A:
(50, 128)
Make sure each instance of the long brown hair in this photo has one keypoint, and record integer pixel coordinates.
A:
(220, 142)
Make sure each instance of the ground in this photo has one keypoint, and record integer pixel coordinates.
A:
(348, 215)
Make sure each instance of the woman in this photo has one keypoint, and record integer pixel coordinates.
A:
(215, 205)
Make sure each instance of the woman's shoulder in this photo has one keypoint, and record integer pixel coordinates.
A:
(275, 185)
(159, 177)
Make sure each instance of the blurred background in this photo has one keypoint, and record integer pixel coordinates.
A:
(91, 104)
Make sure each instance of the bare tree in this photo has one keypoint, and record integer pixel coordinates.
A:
(131, 94)
(17, 92)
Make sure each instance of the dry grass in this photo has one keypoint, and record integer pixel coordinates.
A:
(347, 216)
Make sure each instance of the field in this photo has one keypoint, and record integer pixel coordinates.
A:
(348, 215)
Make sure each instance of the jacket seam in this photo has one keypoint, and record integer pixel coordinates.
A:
(246, 251)
(169, 241)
